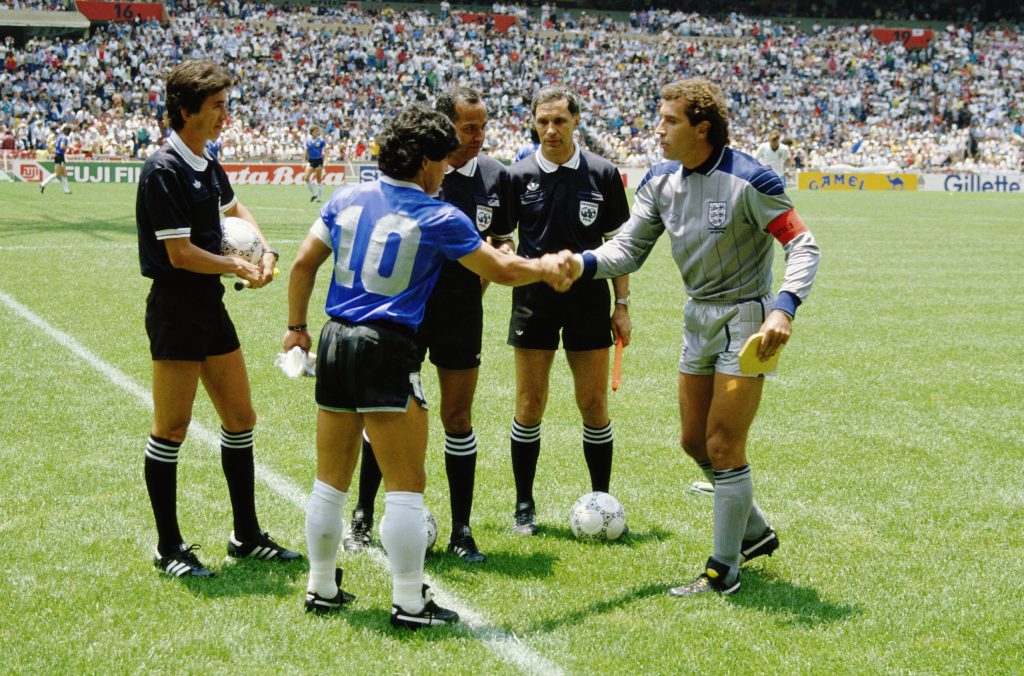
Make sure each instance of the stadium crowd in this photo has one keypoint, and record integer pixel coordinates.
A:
(838, 96)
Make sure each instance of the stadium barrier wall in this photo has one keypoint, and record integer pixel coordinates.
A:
(25, 167)
(965, 182)
(855, 180)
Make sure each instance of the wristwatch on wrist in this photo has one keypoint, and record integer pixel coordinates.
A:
(623, 301)
(277, 256)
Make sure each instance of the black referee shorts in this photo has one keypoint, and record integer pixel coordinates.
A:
(187, 324)
(453, 325)
(317, 163)
(58, 159)
(582, 316)
(367, 367)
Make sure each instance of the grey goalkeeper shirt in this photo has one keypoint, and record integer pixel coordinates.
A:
(723, 219)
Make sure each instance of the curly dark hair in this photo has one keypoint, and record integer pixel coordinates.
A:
(188, 85)
(447, 101)
(417, 131)
(703, 100)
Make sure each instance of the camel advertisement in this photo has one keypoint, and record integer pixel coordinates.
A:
(855, 180)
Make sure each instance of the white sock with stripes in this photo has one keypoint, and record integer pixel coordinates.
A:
(323, 533)
(404, 537)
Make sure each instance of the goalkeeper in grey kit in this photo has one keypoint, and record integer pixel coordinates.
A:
(722, 210)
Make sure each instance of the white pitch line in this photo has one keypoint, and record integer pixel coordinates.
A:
(104, 247)
(505, 645)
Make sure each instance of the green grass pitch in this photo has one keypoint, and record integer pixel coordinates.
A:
(887, 452)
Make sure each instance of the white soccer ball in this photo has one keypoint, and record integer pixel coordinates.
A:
(240, 240)
(597, 516)
(430, 523)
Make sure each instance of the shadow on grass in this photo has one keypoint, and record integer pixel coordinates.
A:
(588, 613)
(509, 564)
(793, 604)
(631, 539)
(378, 620)
(250, 578)
(100, 229)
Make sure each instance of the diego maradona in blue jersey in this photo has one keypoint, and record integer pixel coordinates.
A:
(388, 239)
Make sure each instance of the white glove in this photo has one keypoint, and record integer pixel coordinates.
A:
(296, 363)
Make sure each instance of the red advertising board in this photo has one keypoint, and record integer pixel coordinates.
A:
(279, 174)
(100, 10)
(502, 22)
(912, 38)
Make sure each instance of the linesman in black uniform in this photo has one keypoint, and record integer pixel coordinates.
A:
(182, 194)
(563, 197)
(452, 326)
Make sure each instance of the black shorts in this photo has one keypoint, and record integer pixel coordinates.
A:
(453, 326)
(58, 159)
(316, 164)
(582, 316)
(367, 367)
(188, 325)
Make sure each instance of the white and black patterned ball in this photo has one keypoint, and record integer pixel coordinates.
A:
(430, 523)
(240, 240)
(597, 516)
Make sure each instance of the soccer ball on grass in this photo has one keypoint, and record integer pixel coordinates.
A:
(430, 523)
(597, 516)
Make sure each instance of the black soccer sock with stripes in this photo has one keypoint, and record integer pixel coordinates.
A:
(460, 466)
(239, 469)
(161, 469)
(597, 449)
(369, 480)
(525, 451)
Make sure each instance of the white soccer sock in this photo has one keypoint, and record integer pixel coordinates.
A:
(319, 189)
(405, 540)
(323, 533)
(309, 187)
(64, 182)
(49, 179)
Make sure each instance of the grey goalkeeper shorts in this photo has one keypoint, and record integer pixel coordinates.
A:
(714, 334)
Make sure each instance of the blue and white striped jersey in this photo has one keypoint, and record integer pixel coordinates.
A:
(315, 148)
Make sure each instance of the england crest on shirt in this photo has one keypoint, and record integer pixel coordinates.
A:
(588, 212)
(717, 215)
(484, 216)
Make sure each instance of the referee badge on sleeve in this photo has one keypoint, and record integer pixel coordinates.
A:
(484, 216)
(588, 212)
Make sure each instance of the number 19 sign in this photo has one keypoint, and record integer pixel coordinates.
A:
(100, 10)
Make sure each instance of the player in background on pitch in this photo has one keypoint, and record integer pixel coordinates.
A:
(775, 154)
(60, 169)
(181, 198)
(452, 326)
(723, 212)
(315, 145)
(388, 238)
(563, 197)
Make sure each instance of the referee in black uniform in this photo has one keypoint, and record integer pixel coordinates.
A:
(452, 327)
(181, 197)
(563, 197)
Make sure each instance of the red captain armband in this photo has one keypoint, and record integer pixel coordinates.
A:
(786, 227)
